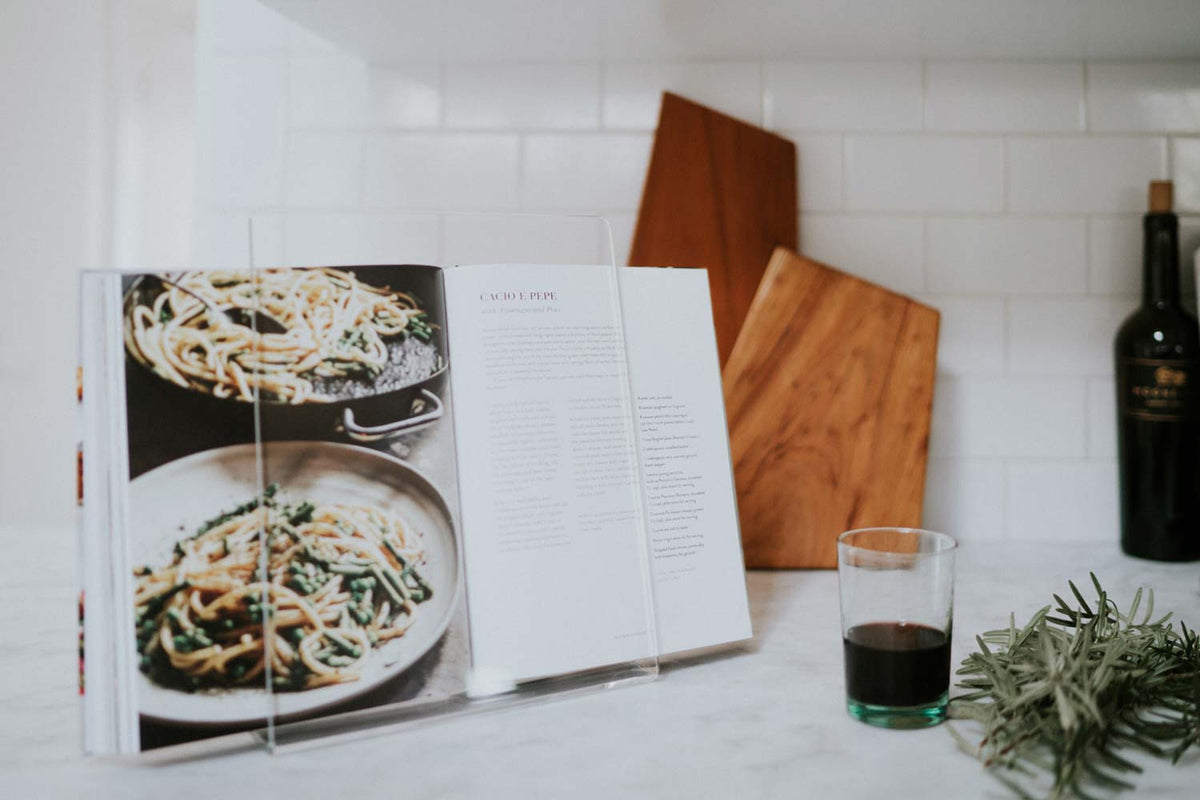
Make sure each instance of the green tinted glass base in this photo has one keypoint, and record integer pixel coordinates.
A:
(902, 717)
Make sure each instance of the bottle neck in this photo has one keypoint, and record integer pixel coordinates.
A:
(1160, 280)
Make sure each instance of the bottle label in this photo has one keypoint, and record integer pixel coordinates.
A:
(1159, 389)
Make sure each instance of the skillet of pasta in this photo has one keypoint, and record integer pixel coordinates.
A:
(341, 580)
(322, 330)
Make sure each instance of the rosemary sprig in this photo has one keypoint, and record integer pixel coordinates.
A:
(1063, 696)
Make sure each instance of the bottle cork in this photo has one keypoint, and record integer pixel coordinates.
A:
(1161, 197)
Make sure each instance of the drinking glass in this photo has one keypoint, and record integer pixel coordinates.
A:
(897, 598)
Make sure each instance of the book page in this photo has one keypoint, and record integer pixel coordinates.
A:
(287, 481)
(546, 453)
(556, 570)
(700, 585)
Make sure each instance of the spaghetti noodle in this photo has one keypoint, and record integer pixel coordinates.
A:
(341, 580)
(334, 325)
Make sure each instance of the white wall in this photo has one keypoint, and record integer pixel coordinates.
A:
(96, 161)
(1007, 193)
(51, 224)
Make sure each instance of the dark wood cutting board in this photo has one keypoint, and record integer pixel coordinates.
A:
(828, 394)
(719, 194)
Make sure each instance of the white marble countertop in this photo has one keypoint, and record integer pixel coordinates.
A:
(766, 720)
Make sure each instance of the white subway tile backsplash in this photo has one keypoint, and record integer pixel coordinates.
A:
(584, 172)
(349, 238)
(241, 26)
(633, 92)
(964, 498)
(242, 131)
(622, 226)
(910, 173)
(888, 251)
(222, 240)
(1186, 159)
(1102, 418)
(1144, 96)
(1006, 255)
(1115, 255)
(406, 96)
(324, 170)
(1067, 501)
(329, 90)
(1189, 246)
(1071, 336)
(520, 96)
(1006, 194)
(819, 158)
(1008, 418)
(1099, 174)
(970, 336)
(1115, 252)
(525, 239)
(843, 95)
(266, 230)
(1003, 96)
(1120, 268)
(458, 171)
(339, 91)
(29, 451)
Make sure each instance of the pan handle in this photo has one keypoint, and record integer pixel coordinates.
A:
(371, 433)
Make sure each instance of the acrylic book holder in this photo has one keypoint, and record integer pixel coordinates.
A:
(354, 505)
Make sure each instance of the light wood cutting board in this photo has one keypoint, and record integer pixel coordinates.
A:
(828, 393)
(719, 194)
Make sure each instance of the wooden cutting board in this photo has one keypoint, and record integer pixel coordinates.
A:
(828, 394)
(719, 194)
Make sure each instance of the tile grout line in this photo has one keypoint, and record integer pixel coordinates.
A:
(762, 93)
(522, 159)
(601, 88)
(1085, 107)
(443, 244)
(442, 87)
(1005, 180)
(286, 159)
(1087, 418)
(924, 96)
(1087, 256)
(925, 236)
(1005, 500)
(841, 203)
(362, 171)
(1006, 332)
(845, 174)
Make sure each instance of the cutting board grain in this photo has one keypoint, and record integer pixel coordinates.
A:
(719, 194)
(828, 393)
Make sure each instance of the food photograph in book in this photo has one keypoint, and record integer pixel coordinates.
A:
(292, 499)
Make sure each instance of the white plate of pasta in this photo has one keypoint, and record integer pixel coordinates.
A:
(358, 581)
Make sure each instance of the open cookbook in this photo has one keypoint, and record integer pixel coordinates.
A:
(315, 493)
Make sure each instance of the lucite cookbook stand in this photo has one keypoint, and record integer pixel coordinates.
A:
(354, 615)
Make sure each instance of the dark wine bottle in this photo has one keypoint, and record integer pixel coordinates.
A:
(1158, 403)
